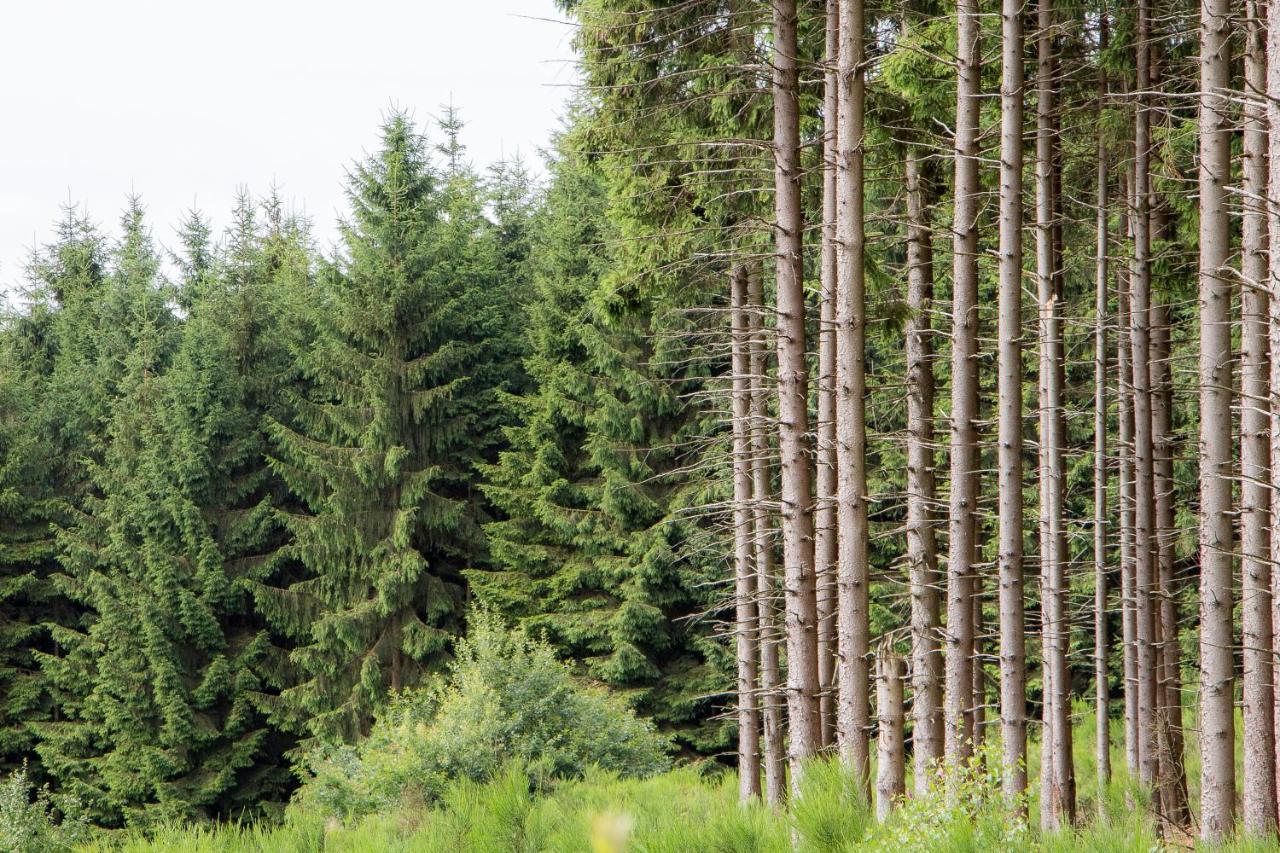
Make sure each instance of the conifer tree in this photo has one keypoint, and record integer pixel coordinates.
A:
(381, 444)
(591, 552)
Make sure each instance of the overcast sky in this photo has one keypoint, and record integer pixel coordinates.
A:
(184, 101)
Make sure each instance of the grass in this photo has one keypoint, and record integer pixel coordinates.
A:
(689, 810)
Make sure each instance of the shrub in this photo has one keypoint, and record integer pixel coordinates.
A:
(507, 699)
(38, 821)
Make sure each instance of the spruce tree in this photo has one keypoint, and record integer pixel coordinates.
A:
(593, 552)
(380, 445)
(47, 410)
(171, 679)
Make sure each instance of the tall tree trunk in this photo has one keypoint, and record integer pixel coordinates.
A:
(963, 506)
(827, 532)
(793, 400)
(976, 718)
(853, 711)
(1273, 287)
(775, 776)
(1058, 804)
(1218, 780)
(922, 552)
(891, 774)
(1013, 663)
(1143, 460)
(746, 623)
(1128, 620)
(1259, 807)
(1175, 805)
(1101, 649)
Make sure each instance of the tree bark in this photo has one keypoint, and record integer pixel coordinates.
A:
(1259, 806)
(1273, 287)
(775, 776)
(827, 532)
(963, 505)
(1176, 806)
(1013, 664)
(891, 774)
(793, 403)
(1143, 459)
(746, 623)
(1058, 804)
(1128, 620)
(1218, 781)
(922, 552)
(1101, 648)
(853, 709)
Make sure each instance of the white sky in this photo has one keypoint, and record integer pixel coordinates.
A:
(184, 101)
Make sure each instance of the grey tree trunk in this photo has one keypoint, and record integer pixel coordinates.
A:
(1101, 647)
(1259, 801)
(1218, 781)
(793, 400)
(1128, 620)
(826, 540)
(775, 775)
(746, 623)
(963, 503)
(853, 707)
(1058, 803)
(1013, 663)
(1273, 286)
(1175, 805)
(891, 774)
(1143, 458)
(922, 552)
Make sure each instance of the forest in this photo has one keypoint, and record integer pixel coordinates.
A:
(862, 432)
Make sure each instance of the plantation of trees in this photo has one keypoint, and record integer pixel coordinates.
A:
(865, 434)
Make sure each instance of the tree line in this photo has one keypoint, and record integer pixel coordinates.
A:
(1017, 320)
(893, 372)
(249, 487)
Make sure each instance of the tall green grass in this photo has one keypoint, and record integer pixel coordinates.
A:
(691, 809)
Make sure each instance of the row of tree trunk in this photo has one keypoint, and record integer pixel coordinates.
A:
(820, 508)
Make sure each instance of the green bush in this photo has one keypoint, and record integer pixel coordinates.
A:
(38, 821)
(507, 699)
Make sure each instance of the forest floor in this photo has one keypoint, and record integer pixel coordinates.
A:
(688, 810)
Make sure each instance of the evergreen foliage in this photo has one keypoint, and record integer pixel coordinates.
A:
(592, 553)
(381, 443)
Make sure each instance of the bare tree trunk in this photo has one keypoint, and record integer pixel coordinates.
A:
(891, 774)
(793, 403)
(1259, 807)
(1176, 807)
(853, 713)
(1143, 461)
(963, 508)
(976, 718)
(1128, 619)
(1013, 662)
(1218, 781)
(1273, 287)
(1058, 804)
(775, 776)
(1101, 678)
(922, 552)
(746, 623)
(827, 532)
